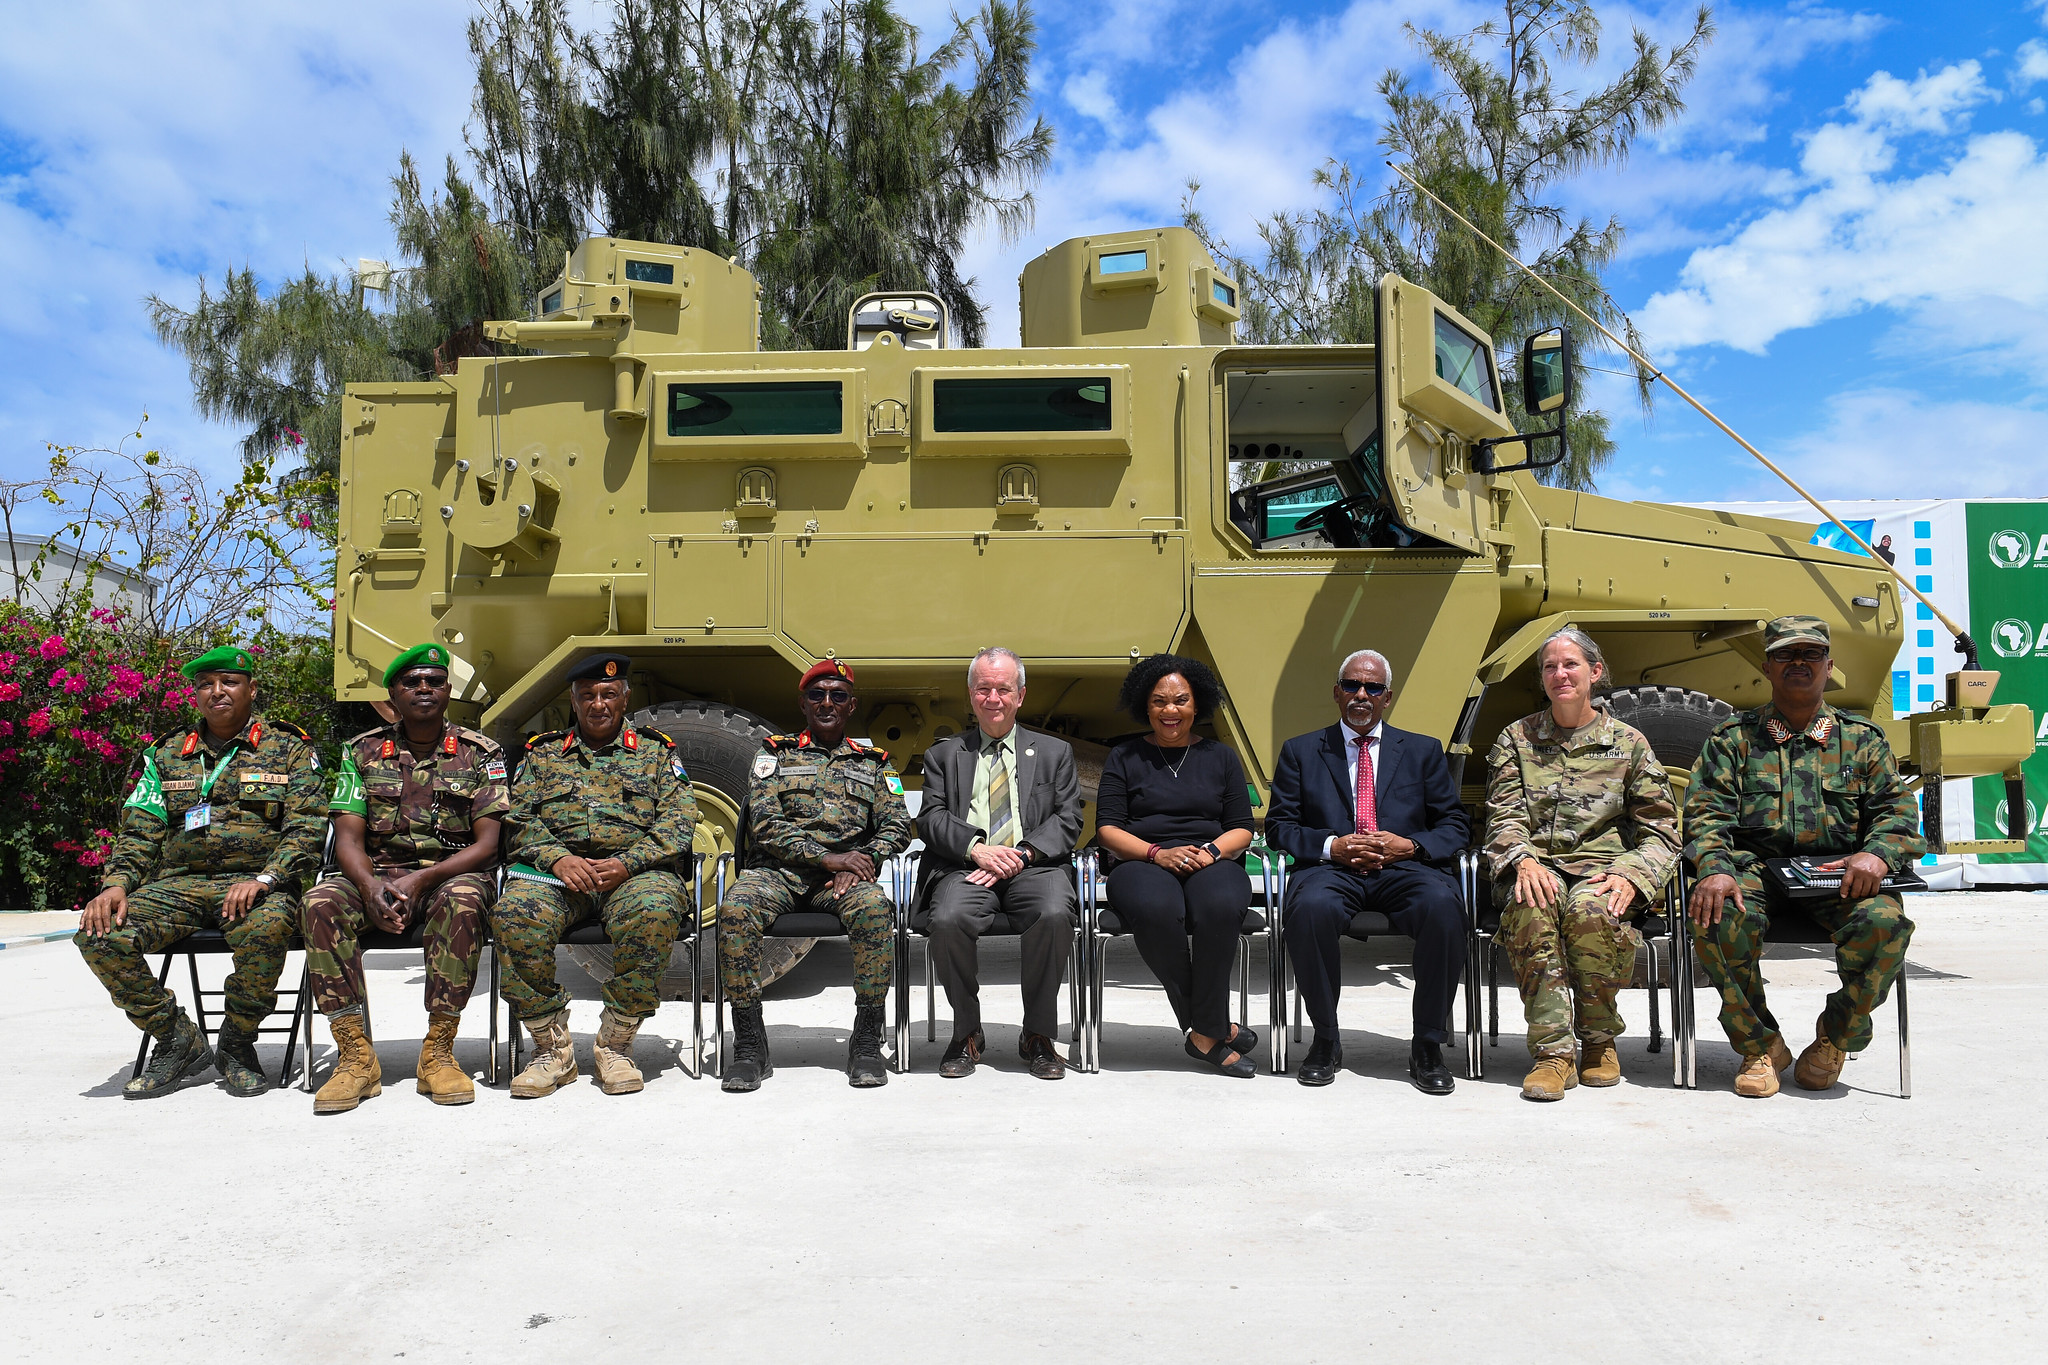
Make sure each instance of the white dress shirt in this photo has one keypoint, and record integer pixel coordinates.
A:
(1352, 740)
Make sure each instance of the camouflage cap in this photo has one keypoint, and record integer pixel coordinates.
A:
(225, 659)
(419, 656)
(1795, 630)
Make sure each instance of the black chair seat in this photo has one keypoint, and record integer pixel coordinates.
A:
(1367, 923)
(807, 924)
(590, 935)
(214, 941)
(1109, 923)
(1789, 924)
(408, 940)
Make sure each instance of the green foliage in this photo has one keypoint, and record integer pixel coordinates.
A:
(1491, 139)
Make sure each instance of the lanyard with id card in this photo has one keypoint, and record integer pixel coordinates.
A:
(201, 815)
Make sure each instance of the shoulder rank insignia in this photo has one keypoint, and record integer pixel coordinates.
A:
(293, 730)
(781, 742)
(388, 749)
(535, 741)
(658, 736)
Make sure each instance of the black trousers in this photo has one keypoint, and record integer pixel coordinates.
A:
(1420, 901)
(1187, 932)
(1041, 900)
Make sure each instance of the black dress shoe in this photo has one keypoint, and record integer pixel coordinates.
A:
(1325, 1059)
(961, 1055)
(1037, 1049)
(1426, 1068)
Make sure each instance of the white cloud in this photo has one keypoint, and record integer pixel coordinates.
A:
(1897, 440)
(2032, 65)
(1957, 246)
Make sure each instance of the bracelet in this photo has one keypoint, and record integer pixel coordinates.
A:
(1152, 853)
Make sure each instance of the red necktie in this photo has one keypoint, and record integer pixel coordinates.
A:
(1368, 806)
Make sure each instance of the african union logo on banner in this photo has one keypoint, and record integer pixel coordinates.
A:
(1999, 827)
(2016, 549)
(2013, 638)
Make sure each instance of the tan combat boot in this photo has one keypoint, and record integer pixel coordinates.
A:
(616, 1074)
(1549, 1079)
(1820, 1066)
(1758, 1078)
(554, 1058)
(356, 1076)
(441, 1080)
(1599, 1064)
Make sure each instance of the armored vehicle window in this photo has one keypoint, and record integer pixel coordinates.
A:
(552, 303)
(1225, 295)
(755, 408)
(650, 272)
(1463, 360)
(1122, 262)
(1079, 403)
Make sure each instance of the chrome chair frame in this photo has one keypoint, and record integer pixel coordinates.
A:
(1092, 883)
(594, 936)
(1485, 956)
(903, 872)
(1689, 1037)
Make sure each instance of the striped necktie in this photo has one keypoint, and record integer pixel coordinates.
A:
(1002, 819)
(1368, 812)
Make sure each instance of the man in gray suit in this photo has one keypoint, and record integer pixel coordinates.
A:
(1000, 812)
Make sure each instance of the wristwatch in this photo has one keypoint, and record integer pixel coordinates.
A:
(1213, 851)
(265, 878)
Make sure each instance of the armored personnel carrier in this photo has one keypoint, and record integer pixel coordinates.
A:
(635, 474)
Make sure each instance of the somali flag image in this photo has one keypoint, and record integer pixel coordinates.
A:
(1831, 535)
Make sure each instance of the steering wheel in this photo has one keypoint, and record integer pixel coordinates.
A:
(1339, 520)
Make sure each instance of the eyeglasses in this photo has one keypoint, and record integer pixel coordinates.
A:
(831, 696)
(1799, 656)
(1354, 687)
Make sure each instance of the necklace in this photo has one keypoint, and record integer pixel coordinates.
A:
(1173, 768)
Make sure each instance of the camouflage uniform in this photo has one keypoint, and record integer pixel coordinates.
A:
(803, 803)
(1760, 791)
(630, 800)
(264, 800)
(1584, 803)
(417, 812)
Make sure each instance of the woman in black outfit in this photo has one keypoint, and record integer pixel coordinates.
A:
(1173, 811)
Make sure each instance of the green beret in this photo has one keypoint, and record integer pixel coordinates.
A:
(226, 659)
(419, 656)
(1795, 630)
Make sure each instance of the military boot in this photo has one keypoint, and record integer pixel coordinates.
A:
(175, 1057)
(440, 1079)
(750, 1064)
(1820, 1066)
(234, 1056)
(554, 1058)
(864, 1066)
(1549, 1079)
(1599, 1064)
(613, 1055)
(357, 1075)
(1758, 1078)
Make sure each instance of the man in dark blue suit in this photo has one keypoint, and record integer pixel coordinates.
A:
(1370, 815)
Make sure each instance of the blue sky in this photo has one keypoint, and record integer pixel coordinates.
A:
(1842, 245)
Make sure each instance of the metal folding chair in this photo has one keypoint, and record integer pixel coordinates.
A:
(211, 943)
(1100, 923)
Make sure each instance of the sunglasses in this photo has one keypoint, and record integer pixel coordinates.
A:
(834, 696)
(1354, 687)
(1799, 656)
(431, 682)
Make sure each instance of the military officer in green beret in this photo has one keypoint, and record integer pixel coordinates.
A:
(601, 819)
(222, 829)
(415, 808)
(824, 813)
(1798, 778)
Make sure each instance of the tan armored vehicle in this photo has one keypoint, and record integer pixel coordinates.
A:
(639, 476)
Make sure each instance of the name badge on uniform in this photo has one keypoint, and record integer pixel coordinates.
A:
(199, 817)
(804, 770)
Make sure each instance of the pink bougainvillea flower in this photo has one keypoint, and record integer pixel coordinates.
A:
(10, 691)
(75, 684)
(7, 662)
(37, 723)
(52, 649)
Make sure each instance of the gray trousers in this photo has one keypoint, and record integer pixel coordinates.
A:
(1041, 900)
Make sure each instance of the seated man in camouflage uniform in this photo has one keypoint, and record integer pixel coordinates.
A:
(222, 828)
(607, 810)
(823, 814)
(1797, 778)
(416, 807)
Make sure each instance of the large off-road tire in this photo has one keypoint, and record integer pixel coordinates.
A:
(1675, 720)
(717, 745)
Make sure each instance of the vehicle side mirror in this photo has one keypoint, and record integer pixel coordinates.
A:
(1547, 371)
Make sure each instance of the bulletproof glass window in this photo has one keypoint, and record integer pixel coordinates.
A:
(1065, 403)
(808, 407)
(1461, 359)
(650, 272)
(1120, 262)
(552, 303)
(1225, 295)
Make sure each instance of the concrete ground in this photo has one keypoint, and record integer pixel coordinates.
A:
(1153, 1211)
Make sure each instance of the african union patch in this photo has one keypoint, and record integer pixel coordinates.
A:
(764, 765)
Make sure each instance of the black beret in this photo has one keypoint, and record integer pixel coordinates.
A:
(601, 668)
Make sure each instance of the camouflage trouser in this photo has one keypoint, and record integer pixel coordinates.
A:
(762, 893)
(642, 916)
(164, 911)
(452, 942)
(1570, 961)
(1870, 947)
